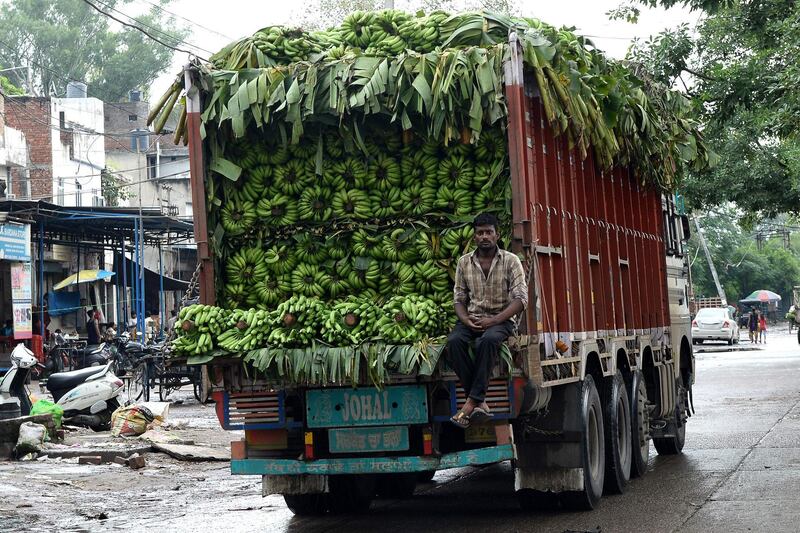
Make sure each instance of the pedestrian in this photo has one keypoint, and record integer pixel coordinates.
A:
(132, 325)
(92, 328)
(173, 317)
(152, 326)
(490, 291)
(752, 325)
(110, 332)
(762, 329)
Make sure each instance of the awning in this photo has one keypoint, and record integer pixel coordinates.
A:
(84, 276)
(150, 276)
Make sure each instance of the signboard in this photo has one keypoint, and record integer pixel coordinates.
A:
(23, 320)
(21, 281)
(401, 405)
(368, 440)
(15, 242)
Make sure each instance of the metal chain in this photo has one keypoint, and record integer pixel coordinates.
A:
(190, 290)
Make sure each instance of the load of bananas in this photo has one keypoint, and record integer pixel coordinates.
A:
(247, 330)
(197, 327)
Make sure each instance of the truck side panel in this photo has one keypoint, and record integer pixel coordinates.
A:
(595, 236)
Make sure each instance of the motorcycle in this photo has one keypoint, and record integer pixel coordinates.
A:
(88, 396)
(12, 385)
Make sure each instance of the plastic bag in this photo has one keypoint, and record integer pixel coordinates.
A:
(132, 420)
(31, 438)
(46, 407)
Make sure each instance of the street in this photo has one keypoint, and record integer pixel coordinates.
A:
(739, 472)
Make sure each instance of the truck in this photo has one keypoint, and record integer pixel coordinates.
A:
(602, 364)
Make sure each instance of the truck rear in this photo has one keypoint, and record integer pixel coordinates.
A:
(601, 364)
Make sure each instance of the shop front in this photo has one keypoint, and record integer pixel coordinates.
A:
(16, 295)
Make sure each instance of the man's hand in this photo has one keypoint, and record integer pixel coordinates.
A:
(471, 323)
(484, 323)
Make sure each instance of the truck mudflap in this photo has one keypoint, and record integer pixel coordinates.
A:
(373, 465)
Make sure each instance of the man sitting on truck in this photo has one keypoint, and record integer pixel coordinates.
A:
(490, 291)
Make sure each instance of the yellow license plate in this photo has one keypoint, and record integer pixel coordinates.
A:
(480, 433)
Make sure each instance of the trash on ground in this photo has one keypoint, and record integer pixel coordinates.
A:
(31, 438)
(44, 407)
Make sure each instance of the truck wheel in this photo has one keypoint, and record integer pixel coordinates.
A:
(640, 425)
(426, 476)
(350, 494)
(397, 486)
(617, 435)
(676, 428)
(593, 453)
(306, 504)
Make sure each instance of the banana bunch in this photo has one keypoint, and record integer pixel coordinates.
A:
(350, 321)
(337, 278)
(457, 241)
(419, 168)
(385, 38)
(297, 321)
(351, 203)
(407, 319)
(309, 280)
(456, 201)
(387, 202)
(429, 245)
(284, 258)
(419, 34)
(397, 278)
(272, 289)
(197, 327)
(277, 210)
(357, 28)
(292, 178)
(365, 274)
(246, 330)
(418, 200)
(456, 171)
(399, 245)
(284, 45)
(246, 266)
(430, 278)
(238, 217)
(315, 204)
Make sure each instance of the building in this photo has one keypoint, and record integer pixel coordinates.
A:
(13, 157)
(156, 173)
(67, 147)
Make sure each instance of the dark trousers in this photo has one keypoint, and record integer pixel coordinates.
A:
(474, 373)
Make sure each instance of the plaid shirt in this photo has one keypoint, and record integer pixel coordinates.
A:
(489, 295)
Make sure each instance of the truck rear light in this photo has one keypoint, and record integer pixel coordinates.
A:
(427, 442)
(309, 442)
(726, 324)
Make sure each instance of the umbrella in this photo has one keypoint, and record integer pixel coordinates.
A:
(82, 277)
(762, 296)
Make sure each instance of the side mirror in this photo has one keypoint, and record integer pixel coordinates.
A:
(687, 232)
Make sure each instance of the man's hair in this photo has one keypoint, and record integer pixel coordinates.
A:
(486, 219)
(173, 312)
(90, 313)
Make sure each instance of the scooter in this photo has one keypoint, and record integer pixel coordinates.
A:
(12, 385)
(88, 396)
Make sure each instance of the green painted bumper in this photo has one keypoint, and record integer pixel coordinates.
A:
(372, 465)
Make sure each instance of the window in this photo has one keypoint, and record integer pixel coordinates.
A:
(78, 194)
(189, 211)
(132, 118)
(60, 191)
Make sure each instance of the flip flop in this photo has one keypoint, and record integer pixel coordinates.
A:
(480, 416)
(461, 419)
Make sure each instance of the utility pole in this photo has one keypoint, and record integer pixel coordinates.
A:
(720, 290)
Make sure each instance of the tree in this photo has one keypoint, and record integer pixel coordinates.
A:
(64, 40)
(740, 69)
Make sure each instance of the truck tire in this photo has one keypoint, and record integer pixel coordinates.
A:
(397, 486)
(640, 425)
(350, 494)
(306, 504)
(592, 450)
(676, 428)
(618, 438)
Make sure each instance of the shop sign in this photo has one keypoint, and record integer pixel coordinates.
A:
(21, 281)
(15, 242)
(23, 320)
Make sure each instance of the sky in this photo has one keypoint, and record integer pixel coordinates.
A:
(214, 24)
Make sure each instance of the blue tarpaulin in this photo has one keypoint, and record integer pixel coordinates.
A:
(63, 302)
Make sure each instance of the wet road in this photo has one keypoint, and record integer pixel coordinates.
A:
(740, 471)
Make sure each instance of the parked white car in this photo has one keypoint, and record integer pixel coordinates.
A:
(714, 323)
